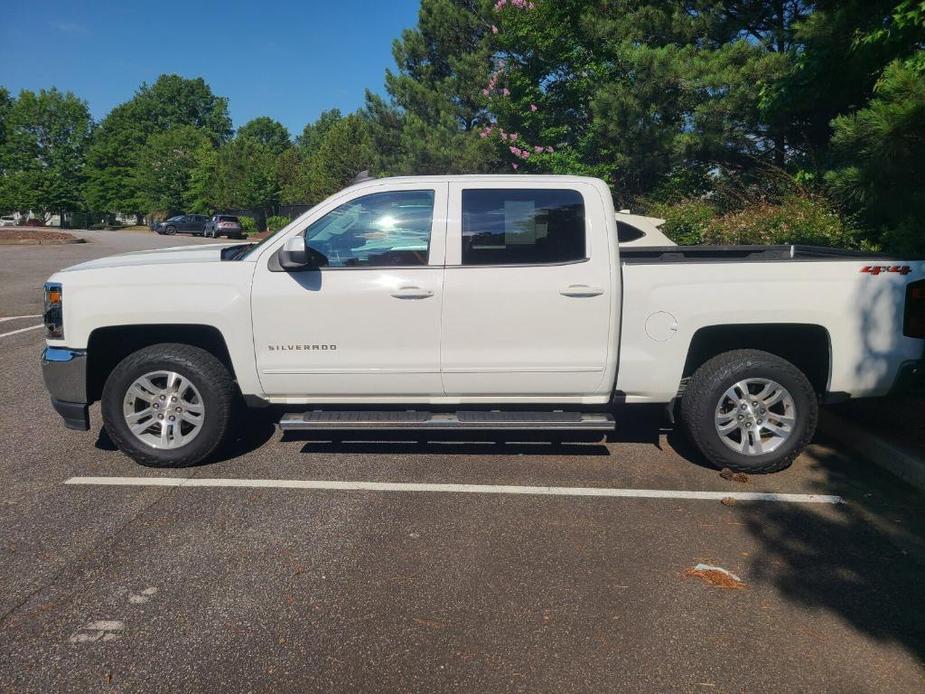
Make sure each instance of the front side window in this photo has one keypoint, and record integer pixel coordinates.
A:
(382, 229)
(522, 227)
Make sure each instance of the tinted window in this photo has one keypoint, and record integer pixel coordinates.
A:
(226, 218)
(522, 227)
(627, 232)
(375, 230)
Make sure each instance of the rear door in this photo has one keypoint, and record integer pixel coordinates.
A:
(528, 297)
(366, 321)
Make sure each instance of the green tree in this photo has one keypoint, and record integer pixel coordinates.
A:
(294, 167)
(880, 158)
(200, 191)
(241, 174)
(164, 166)
(631, 91)
(169, 103)
(45, 135)
(173, 101)
(430, 123)
(843, 48)
(331, 152)
(313, 133)
(292, 174)
(7, 203)
(267, 131)
(344, 151)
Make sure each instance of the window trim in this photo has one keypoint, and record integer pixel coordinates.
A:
(511, 265)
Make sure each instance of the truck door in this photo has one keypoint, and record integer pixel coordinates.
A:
(366, 320)
(528, 302)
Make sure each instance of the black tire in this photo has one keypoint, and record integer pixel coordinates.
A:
(207, 374)
(170, 231)
(706, 388)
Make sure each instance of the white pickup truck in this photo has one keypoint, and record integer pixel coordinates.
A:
(476, 303)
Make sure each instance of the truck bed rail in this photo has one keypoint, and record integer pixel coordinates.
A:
(731, 254)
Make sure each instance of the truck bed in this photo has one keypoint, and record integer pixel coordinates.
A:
(737, 254)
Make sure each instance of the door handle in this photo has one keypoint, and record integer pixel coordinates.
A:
(581, 290)
(412, 293)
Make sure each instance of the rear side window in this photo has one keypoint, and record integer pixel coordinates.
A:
(522, 227)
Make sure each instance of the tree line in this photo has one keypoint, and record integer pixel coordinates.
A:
(742, 121)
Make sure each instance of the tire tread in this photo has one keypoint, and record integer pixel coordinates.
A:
(195, 359)
(720, 369)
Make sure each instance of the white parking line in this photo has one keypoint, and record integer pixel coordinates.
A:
(6, 318)
(457, 489)
(21, 330)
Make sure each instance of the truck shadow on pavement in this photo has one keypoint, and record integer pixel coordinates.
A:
(248, 436)
(643, 424)
(450, 443)
(863, 561)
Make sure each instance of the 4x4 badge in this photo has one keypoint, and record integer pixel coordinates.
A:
(877, 269)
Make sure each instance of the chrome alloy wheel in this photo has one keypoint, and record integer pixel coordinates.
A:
(163, 409)
(755, 416)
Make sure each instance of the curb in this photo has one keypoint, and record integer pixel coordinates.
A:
(900, 462)
(39, 242)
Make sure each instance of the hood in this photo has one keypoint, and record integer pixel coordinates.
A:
(160, 256)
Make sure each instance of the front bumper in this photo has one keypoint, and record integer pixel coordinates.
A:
(65, 374)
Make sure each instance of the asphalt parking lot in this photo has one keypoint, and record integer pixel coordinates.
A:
(421, 583)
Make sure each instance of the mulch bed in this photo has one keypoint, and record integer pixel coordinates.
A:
(26, 234)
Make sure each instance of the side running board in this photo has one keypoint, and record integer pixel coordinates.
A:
(327, 420)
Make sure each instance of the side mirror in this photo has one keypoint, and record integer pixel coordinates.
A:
(294, 254)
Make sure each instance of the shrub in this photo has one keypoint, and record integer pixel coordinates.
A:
(802, 219)
(248, 224)
(277, 222)
(686, 222)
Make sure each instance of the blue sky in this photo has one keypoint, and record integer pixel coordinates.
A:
(289, 60)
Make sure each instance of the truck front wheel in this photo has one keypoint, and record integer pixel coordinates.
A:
(749, 411)
(168, 405)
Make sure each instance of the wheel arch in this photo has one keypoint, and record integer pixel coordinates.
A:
(807, 346)
(107, 346)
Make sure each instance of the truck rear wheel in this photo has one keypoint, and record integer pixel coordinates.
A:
(168, 405)
(749, 411)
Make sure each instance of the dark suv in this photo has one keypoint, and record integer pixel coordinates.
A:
(224, 225)
(192, 223)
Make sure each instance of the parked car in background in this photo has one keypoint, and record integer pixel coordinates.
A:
(224, 225)
(7, 221)
(190, 223)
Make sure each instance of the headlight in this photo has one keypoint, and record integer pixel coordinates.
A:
(53, 315)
